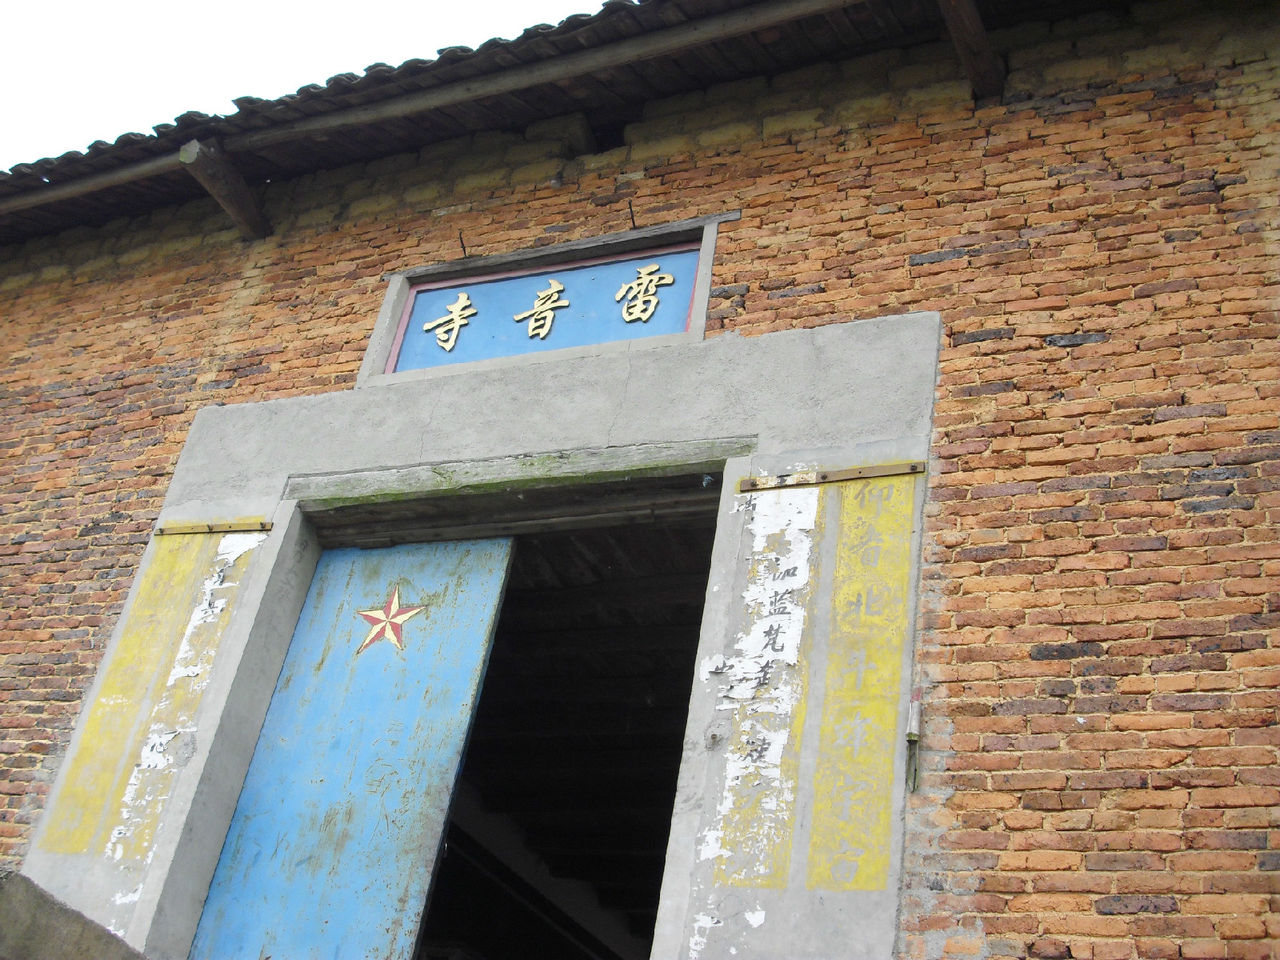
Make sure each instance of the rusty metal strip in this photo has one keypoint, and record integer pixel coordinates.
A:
(251, 524)
(810, 478)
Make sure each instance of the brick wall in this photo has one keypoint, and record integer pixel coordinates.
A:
(1099, 662)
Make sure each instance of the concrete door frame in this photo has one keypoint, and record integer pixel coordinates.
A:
(832, 397)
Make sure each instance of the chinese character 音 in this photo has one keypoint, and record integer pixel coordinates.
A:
(541, 316)
(642, 293)
(447, 327)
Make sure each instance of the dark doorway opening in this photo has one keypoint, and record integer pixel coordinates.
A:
(558, 832)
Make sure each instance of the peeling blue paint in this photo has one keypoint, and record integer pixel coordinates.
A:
(330, 849)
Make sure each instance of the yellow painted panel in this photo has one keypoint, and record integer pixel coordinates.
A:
(849, 845)
(142, 719)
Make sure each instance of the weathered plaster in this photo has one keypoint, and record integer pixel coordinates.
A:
(796, 728)
(141, 729)
(760, 685)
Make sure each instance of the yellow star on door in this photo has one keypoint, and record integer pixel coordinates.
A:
(387, 623)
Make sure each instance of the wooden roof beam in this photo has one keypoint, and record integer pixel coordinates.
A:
(565, 66)
(205, 161)
(83, 186)
(979, 59)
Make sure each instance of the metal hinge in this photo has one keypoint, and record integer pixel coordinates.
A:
(809, 478)
(251, 525)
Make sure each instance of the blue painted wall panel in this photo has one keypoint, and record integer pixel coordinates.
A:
(330, 850)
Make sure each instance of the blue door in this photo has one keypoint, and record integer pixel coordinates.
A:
(331, 847)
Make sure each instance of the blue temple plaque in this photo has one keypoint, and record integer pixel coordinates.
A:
(548, 308)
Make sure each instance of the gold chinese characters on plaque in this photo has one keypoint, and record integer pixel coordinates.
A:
(567, 306)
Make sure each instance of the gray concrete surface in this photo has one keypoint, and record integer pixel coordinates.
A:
(34, 925)
(867, 383)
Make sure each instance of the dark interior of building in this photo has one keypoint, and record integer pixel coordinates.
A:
(558, 830)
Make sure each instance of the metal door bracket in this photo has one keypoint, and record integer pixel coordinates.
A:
(809, 478)
(252, 525)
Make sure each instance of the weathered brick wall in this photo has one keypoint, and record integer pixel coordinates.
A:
(1099, 663)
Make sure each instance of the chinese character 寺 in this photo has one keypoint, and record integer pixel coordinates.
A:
(541, 315)
(447, 327)
(642, 293)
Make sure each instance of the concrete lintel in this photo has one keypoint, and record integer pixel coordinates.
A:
(864, 382)
(318, 491)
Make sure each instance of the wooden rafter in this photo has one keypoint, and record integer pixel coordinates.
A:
(979, 59)
(205, 161)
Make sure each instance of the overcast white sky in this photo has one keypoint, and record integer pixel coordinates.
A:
(85, 70)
